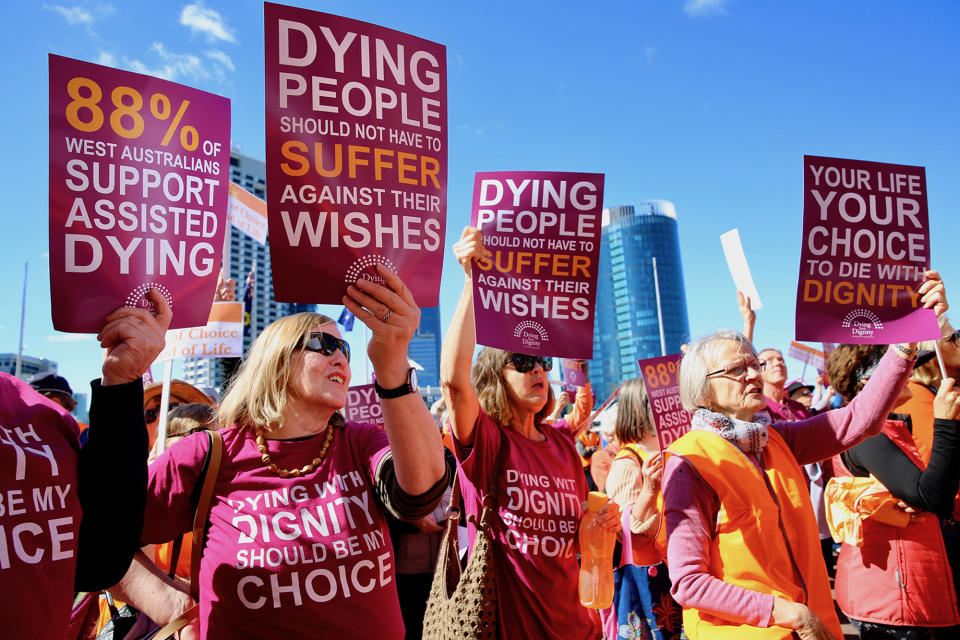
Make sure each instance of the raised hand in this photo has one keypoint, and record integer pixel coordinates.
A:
(469, 248)
(133, 338)
(393, 316)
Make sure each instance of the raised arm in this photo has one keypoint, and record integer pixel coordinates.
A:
(748, 314)
(392, 316)
(461, 339)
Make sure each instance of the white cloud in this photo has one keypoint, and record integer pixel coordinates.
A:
(107, 59)
(70, 337)
(650, 53)
(200, 19)
(222, 58)
(173, 65)
(73, 15)
(704, 8)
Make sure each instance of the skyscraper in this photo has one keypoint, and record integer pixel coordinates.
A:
(627, 327)
(250, 174)
(425, 350)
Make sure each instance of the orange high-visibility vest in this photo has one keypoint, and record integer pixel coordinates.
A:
(647, 550)
(766, 536)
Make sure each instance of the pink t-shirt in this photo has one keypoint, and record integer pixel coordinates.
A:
(285, 557)
(39, 512)
(541, 488)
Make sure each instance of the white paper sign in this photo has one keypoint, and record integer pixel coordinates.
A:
(248, 213)
(221, 337)
(737, 262)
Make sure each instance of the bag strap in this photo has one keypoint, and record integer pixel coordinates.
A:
(178, 623)
(203, 509)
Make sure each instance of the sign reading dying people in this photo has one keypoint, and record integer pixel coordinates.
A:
(138, 194)
(356, 155)
(866, 245)
(537, 293)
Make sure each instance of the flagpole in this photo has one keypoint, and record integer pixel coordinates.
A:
(23, 313)
(656, 289)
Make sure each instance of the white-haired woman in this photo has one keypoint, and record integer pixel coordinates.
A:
(744, 552)
(298, 544)
(529, 469)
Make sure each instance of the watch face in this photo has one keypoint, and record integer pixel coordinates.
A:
(413, 380)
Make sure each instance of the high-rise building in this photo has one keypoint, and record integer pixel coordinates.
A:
(29, 365)
(627, 326)
(425, 350)
(245, 252)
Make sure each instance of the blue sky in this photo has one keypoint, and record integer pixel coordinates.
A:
(710, 104)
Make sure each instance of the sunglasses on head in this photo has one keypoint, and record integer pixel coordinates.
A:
(524, 363)
(150, 415)
(326, 344)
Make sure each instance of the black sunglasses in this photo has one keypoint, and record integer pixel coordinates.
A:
(524, 363)
(150, 415)
(326, 343)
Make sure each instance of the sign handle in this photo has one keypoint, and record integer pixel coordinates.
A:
(164, 403)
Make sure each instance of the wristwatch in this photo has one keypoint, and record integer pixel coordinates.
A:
(410, 386)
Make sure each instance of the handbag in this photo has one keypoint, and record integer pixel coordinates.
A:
(463, 604)
(127, 623)
(852, 500)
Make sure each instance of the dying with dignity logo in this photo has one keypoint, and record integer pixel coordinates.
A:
(862, 323)
(531, 334)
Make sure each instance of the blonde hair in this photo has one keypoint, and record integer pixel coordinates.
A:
(257, 395)
(187, 417)
(634, 418)
(487, 378)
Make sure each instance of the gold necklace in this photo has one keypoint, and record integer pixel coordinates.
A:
(296, 473)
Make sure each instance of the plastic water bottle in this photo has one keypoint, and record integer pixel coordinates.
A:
(596, 556)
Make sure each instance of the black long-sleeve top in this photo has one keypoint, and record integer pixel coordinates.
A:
(932, 489)
(111, 485)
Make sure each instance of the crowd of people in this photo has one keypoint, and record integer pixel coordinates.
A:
(312, 526)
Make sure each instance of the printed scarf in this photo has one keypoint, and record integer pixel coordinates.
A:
(749, 437)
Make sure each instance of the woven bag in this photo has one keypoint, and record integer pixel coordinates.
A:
(463, 606)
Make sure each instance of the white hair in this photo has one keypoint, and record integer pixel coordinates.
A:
(694, 366)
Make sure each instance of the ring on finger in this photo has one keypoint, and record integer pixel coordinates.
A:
(386, 315)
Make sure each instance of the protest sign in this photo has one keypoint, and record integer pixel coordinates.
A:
(221, 337)
(248, 213)
(808, 355)
(138, 194)
(356, 155)
(739, 269)
(866, 244)
(537, 293)
(363, 405)
(573, 373)
(660, 379)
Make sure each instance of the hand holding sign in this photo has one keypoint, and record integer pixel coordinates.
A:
(469, 248)
(133, 338)
(933, 294)
(392, 315)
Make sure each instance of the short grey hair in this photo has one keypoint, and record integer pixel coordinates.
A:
(694, 367)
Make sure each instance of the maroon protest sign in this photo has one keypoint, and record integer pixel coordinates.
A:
(363, 405)
(537, 293)
(659, 377)
(138, 194)
(356, 155)
(573, 373)
(866, 244)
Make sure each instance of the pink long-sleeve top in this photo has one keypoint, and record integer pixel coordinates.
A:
(691, 505)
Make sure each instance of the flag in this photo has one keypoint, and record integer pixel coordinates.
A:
(346, 319)
(811, 356)
(248, 301)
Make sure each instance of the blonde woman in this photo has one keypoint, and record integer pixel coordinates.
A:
(297, 544)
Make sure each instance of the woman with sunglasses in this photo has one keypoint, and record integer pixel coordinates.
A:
(744, 550)
(297, 543)
(500, 407)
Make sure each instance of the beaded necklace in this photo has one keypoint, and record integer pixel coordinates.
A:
(296, 473)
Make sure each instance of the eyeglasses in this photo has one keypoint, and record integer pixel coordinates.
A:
(525, 364)
(739, 369)
(151, 415)
(954, 337)
(326, 343)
